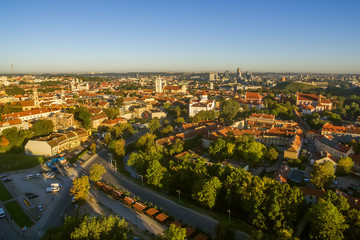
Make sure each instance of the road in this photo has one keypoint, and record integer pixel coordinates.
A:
(179, 212)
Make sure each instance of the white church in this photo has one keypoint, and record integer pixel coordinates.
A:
(202, 104)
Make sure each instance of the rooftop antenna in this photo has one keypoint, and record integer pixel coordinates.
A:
(12, 68)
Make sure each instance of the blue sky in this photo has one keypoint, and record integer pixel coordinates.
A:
(197, 35)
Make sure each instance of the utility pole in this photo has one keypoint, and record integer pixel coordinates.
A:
(178, 191)
(229, 212)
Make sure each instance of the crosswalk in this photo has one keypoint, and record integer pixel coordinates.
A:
(41, 234)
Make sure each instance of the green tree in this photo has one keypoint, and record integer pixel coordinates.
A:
(166, 106)
(145, 141)
(177, 147)
(225, 230)
(154, 124)
(173, 233)
(252, 151)
(323, 175)
(96, 172)
(119, 101)
(345, 165)
(43, 127)
(107, 138)
(179, 120)
(326, 221)
(166, 130)
(83, 115)
(101, 228)
(15, 90)
(228, 110)
(271, 154)
(118, 147)
(353, 220)
(112, 112)
(80, 187)
(155, 173)
(339, 201)
(205, 192)
(93, 148)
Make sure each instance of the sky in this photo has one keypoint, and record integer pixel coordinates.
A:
(198, 35)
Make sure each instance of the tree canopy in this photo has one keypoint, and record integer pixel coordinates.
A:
(323, 174)
(326, 221)
(228, 110)
(173, 233)
(80, 187)
(345, 165)
(96, 172)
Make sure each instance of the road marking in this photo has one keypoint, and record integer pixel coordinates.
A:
(41, 234)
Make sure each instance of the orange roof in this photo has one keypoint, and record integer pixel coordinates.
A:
(152, 211)
(255, 115)
(11, 122)
(139, 206)
(312, 192)
(129, 200)
(201, 236)
(176, 223)
(252, 95)
(189, 231)
(204, 93)
(161, 217)
(307, 97)
(4, 142)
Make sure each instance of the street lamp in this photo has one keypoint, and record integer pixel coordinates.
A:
(229, 212)
(142, 180)
(111, 161)
(178, 191)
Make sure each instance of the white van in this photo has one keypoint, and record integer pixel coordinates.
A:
(2, 213)
(56, 185)
(52, 189)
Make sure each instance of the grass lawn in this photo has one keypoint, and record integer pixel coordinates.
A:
(4, 193)
(18, 215)
(18, 161)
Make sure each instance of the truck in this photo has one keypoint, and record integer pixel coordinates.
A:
(52, 189)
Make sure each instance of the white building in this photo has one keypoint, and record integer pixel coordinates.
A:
(204, 104)
(159, 85)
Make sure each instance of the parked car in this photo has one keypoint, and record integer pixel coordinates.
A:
(56, 185)
(7, 179)
(73, 199)
(38, 175)
(29, 176)
(40, 208)
(52, 189)
(2, 213)
(29, 194)
(33, 196)
(50, 175)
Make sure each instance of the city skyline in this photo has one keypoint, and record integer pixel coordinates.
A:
(68, 37)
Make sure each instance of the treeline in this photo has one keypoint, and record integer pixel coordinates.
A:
(270, 206)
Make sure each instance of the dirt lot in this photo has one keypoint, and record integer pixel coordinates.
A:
(93, 208)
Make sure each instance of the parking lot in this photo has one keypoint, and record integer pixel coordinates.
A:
(34, 188)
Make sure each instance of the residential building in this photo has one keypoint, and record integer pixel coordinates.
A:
(314, 100)
(30, 115)
(61, 120)
(55, 143)
(17, 123)
(293, 151)
(98, 119)
(337, 150)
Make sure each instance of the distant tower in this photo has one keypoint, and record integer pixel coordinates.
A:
(211, 85)
(158, 85)
(283, 79)
(204, 96)
(226, 74)
(238, 72)
(12, 68)
(36, 97)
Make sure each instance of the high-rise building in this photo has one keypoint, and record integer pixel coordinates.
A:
(226, 74)
(159, 85)
(212, 76)
(238, 72)
(211, 85)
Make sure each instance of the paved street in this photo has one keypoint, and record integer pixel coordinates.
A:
(179, 212)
